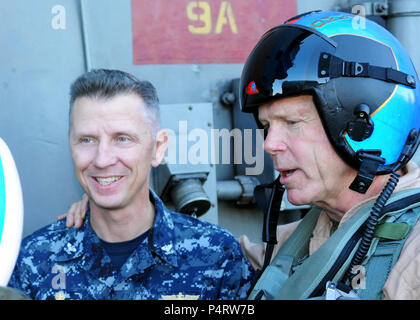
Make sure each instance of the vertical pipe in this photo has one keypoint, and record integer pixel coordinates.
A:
(404, 21)
(85, 37)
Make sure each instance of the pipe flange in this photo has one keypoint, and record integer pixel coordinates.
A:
(248, 185)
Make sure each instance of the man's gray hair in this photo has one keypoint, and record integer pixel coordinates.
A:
(106, 84)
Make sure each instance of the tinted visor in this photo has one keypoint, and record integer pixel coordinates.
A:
(284, 63)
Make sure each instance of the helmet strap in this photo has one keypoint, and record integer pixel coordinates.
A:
(335, 67)
(271, 217)
(371, 160)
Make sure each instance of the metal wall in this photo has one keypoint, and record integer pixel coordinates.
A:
(39, 61)
(37, 66)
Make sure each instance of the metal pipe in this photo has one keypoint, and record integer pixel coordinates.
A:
(189, 197)
(240, 189)
(85, 37)
(403, 21)
(229, 190)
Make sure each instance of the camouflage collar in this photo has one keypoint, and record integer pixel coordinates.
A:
(162, 236)
(85, 243)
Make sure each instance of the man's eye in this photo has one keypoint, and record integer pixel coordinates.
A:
(123, 139)
(265, 126)
(292, 122)
(86, 140)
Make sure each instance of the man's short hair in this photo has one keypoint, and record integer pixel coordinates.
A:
(106, 84)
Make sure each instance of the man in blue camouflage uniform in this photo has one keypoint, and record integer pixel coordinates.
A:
(181, 258)
(130, 245)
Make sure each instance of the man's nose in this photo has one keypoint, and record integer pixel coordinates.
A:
(275, 141)
(105, 155)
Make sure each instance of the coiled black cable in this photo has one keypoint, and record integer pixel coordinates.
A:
(371, 223)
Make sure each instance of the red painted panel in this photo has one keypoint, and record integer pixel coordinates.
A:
(212, 31)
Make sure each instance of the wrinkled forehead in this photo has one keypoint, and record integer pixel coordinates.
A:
(301, 105)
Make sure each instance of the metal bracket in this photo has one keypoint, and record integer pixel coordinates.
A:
(333, 293)
(370, 8)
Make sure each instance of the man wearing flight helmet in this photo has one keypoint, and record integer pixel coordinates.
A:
(340, 110)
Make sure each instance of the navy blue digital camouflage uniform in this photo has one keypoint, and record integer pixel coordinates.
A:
(182, 258)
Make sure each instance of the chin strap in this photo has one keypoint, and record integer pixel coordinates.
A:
(271, 217)
(371, 159)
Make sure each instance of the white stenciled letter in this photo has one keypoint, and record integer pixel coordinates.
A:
(59, 19)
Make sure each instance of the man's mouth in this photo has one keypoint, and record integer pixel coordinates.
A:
(287, 173)
(104, 181)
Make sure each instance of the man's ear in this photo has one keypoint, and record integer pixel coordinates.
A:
(160, 147)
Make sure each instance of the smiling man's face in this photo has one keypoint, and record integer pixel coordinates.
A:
(113, 148)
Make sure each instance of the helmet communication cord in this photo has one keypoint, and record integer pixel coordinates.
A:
(371, 223)
(370, 161)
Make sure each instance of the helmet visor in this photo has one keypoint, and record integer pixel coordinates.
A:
(285, 62)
